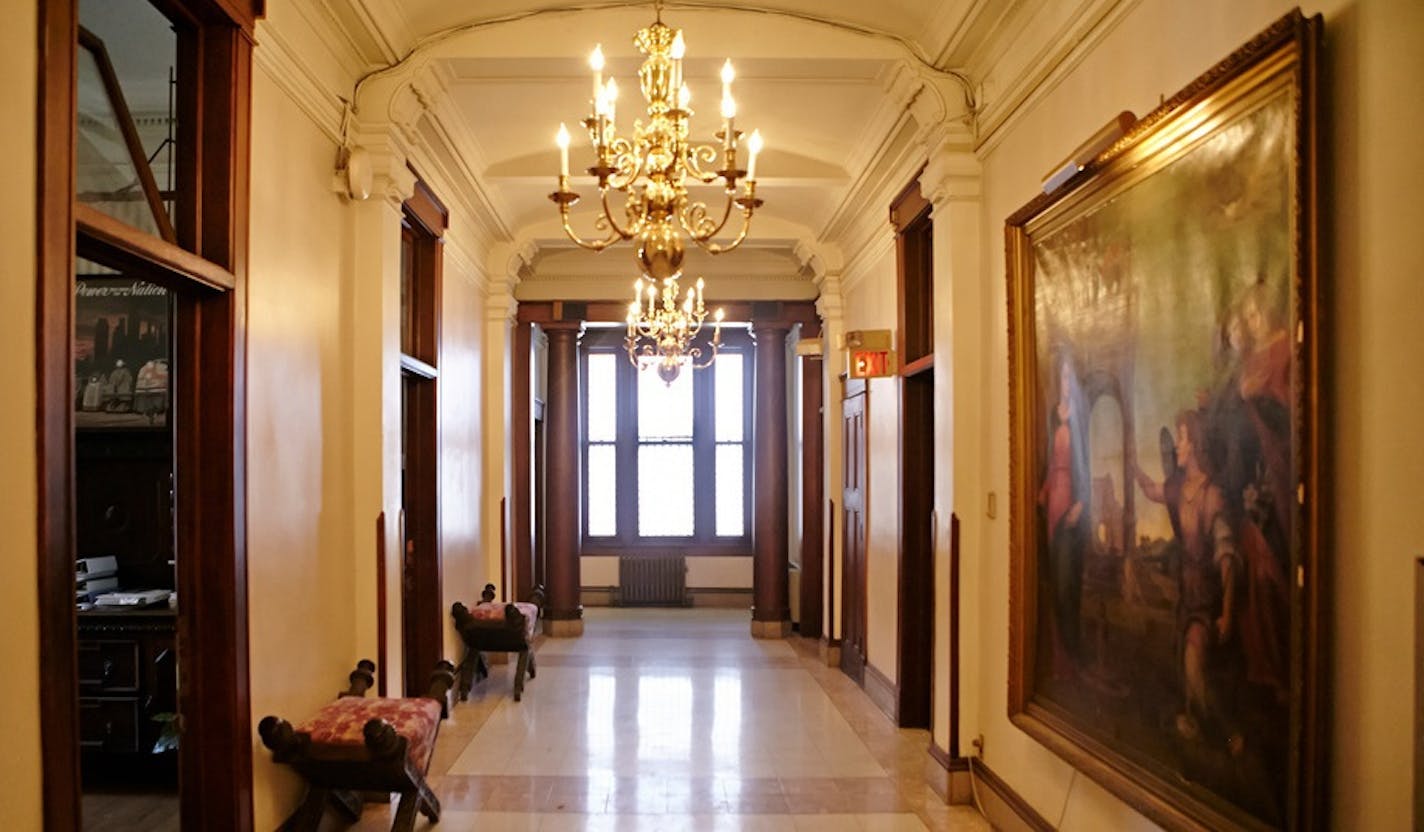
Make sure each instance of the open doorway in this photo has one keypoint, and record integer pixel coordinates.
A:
(424, 221)
(853, 493)
(914, 247)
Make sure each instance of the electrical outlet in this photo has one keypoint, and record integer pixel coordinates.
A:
(978, 745)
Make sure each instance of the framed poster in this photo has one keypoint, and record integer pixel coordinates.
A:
(1165, 620)
(121, 352)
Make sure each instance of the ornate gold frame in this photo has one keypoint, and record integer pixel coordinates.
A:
(1282, 55)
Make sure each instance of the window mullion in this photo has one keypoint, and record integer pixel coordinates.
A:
(627, 434)
(704, 458)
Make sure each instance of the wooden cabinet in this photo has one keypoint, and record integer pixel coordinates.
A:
(127, 677)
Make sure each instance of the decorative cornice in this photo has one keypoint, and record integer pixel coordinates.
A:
(858, 267)
(458, 258)
(1059, 53)
(282, 62)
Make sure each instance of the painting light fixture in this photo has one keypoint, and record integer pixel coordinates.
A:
(1104, 138)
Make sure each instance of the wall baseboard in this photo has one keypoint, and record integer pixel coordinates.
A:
(883, 692)
(720, 597)
(1002, 806)
(948, 776)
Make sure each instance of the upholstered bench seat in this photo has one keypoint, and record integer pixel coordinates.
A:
(495, 612)
(357, 745)
(338, 730)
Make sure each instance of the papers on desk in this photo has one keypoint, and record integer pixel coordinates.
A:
(134, 598)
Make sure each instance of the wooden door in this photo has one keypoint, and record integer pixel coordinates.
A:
(853, 656)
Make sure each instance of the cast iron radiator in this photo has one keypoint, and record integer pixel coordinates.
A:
(652, 581)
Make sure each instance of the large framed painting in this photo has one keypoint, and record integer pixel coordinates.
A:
(1165, 602)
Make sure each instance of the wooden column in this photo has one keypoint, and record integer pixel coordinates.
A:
(812, 494)
(564, 614)
(522, 530)
(771, 613)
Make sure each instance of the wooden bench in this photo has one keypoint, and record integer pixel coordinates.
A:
(497, 628)
(356, 745)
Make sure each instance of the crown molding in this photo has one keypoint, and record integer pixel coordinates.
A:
(383, 23)
(279, 55)
(464, 263)
(1060, 46)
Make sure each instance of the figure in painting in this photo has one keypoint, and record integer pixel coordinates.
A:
(120, 385)
(151, 389)
(1247, 430)
(1065, 496)
(1208, 604)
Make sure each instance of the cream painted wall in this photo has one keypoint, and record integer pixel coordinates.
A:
(461, 443)
(19, 649)
(871, 304)
(1371, 172)
(301, 589)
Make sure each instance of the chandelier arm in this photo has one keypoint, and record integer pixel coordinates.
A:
(591, 245)
(699, 227)
(624, 234)
(626, 158)
(691, 164)
(719, 248)
(705, 242)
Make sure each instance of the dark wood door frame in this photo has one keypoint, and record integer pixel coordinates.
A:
(209, 408)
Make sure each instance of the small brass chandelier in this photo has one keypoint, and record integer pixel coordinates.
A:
(651, 168)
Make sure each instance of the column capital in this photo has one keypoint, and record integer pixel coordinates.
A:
(952, 174)
(563, 329)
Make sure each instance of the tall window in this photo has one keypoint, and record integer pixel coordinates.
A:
(666, 464)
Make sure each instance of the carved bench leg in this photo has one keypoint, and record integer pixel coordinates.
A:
(429, 803)
(348, 804)
(442, 679)
(533, 670)
(467, 675)
(405, 812)
(519, 674)
(308, 816)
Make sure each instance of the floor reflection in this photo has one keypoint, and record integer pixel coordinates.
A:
(678, 719)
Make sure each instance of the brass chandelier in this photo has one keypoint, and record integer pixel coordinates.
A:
(651, 168)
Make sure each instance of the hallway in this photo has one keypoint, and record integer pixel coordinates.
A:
(675, 719)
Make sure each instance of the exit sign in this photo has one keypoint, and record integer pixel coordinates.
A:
(870, 353)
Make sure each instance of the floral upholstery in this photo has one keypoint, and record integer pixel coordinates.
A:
(338, 730)
(485, 611)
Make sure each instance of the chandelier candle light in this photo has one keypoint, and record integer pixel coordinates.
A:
(651, 168)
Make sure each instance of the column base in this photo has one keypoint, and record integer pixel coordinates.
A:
(563, 628)
(771, 629)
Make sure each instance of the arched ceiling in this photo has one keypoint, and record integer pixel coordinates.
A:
(824, 80)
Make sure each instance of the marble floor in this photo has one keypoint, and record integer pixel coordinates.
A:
(679, 720)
